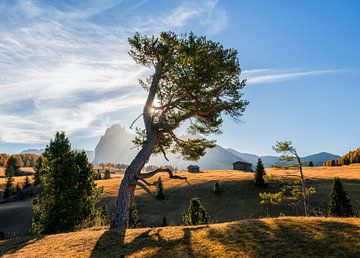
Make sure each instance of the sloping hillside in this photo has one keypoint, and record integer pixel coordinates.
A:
(239, 199)
(281, 237)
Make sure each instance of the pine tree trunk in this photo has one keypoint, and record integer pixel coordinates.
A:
(127, 186)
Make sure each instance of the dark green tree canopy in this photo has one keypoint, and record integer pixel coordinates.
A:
(259, 174)
(339, 203)
(198, 81)
(68, 194)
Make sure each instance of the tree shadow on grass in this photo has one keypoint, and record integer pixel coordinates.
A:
(284, 238)
(148, 243)
(11, 246)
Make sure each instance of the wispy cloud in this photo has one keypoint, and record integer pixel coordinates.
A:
(60, 70)
(260, 76)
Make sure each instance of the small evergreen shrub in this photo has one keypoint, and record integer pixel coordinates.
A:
(259, 174)
(133, 216)
(164, 222)
(339, 204)
(311, 164)
(216, 188)
(37, 168)
(26, 183)
(107, 174)
(159, 192)
(196, 213)
(9, 189)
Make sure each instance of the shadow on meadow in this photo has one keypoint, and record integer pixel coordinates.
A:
(13, 245)
(285, 237)
(148, 243)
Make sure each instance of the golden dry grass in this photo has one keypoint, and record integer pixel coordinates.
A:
(239, 199)
(280, 237)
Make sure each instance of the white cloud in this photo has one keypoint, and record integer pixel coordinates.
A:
(62, 71)
(260, 76)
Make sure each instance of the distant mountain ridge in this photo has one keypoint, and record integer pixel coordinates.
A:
(116, 147)
(89, 153)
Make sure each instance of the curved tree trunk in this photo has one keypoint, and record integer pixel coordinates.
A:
(127, 186)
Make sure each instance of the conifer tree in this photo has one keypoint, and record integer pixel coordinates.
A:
(159, 192)
(14, 164)
(196, 213)
(9, 189)
(37, 168)
(259, 174)
(216, 188)
(164, 222)
(339, 204)
(311, 164)
(107, 174)
(26, 182)
(17, 188)
(68, 194)
(133, 215)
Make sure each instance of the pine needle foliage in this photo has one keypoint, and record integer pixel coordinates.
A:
(68, 194)
(339, 204)
(259, 174)
(196, 213)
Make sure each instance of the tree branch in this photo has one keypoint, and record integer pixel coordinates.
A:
(144, 187)
(160, 170)
(163, 152)
(135, 120)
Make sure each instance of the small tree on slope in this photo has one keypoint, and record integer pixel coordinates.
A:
(339, 204)
(159, 192)
(26, 182)
(216, 188)
(9, 189)
(68, 194)
(196, 213)
(37, 168)
(259, 174)
(195, 82)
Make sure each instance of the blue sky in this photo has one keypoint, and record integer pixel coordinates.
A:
(64, 66)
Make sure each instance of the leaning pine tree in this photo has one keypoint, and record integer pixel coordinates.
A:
(339, 204)
(195, 80)
(259, 174)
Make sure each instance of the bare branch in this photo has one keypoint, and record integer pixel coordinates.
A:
(160, 170)
(144, 187)
(132, 124)
(163, 152)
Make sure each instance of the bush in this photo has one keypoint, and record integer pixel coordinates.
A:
(133, 216)
(164, 222)
(259, 174)
(107, 174)
(68, 194)
(26, 183)
(159, 192)
(9, 189)
(216, 188)
(311, 164)
(339, 204)
(196, 213)
(37, 169)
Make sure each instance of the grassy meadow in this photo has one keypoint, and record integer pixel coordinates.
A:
(239, 199)
(267, 237)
